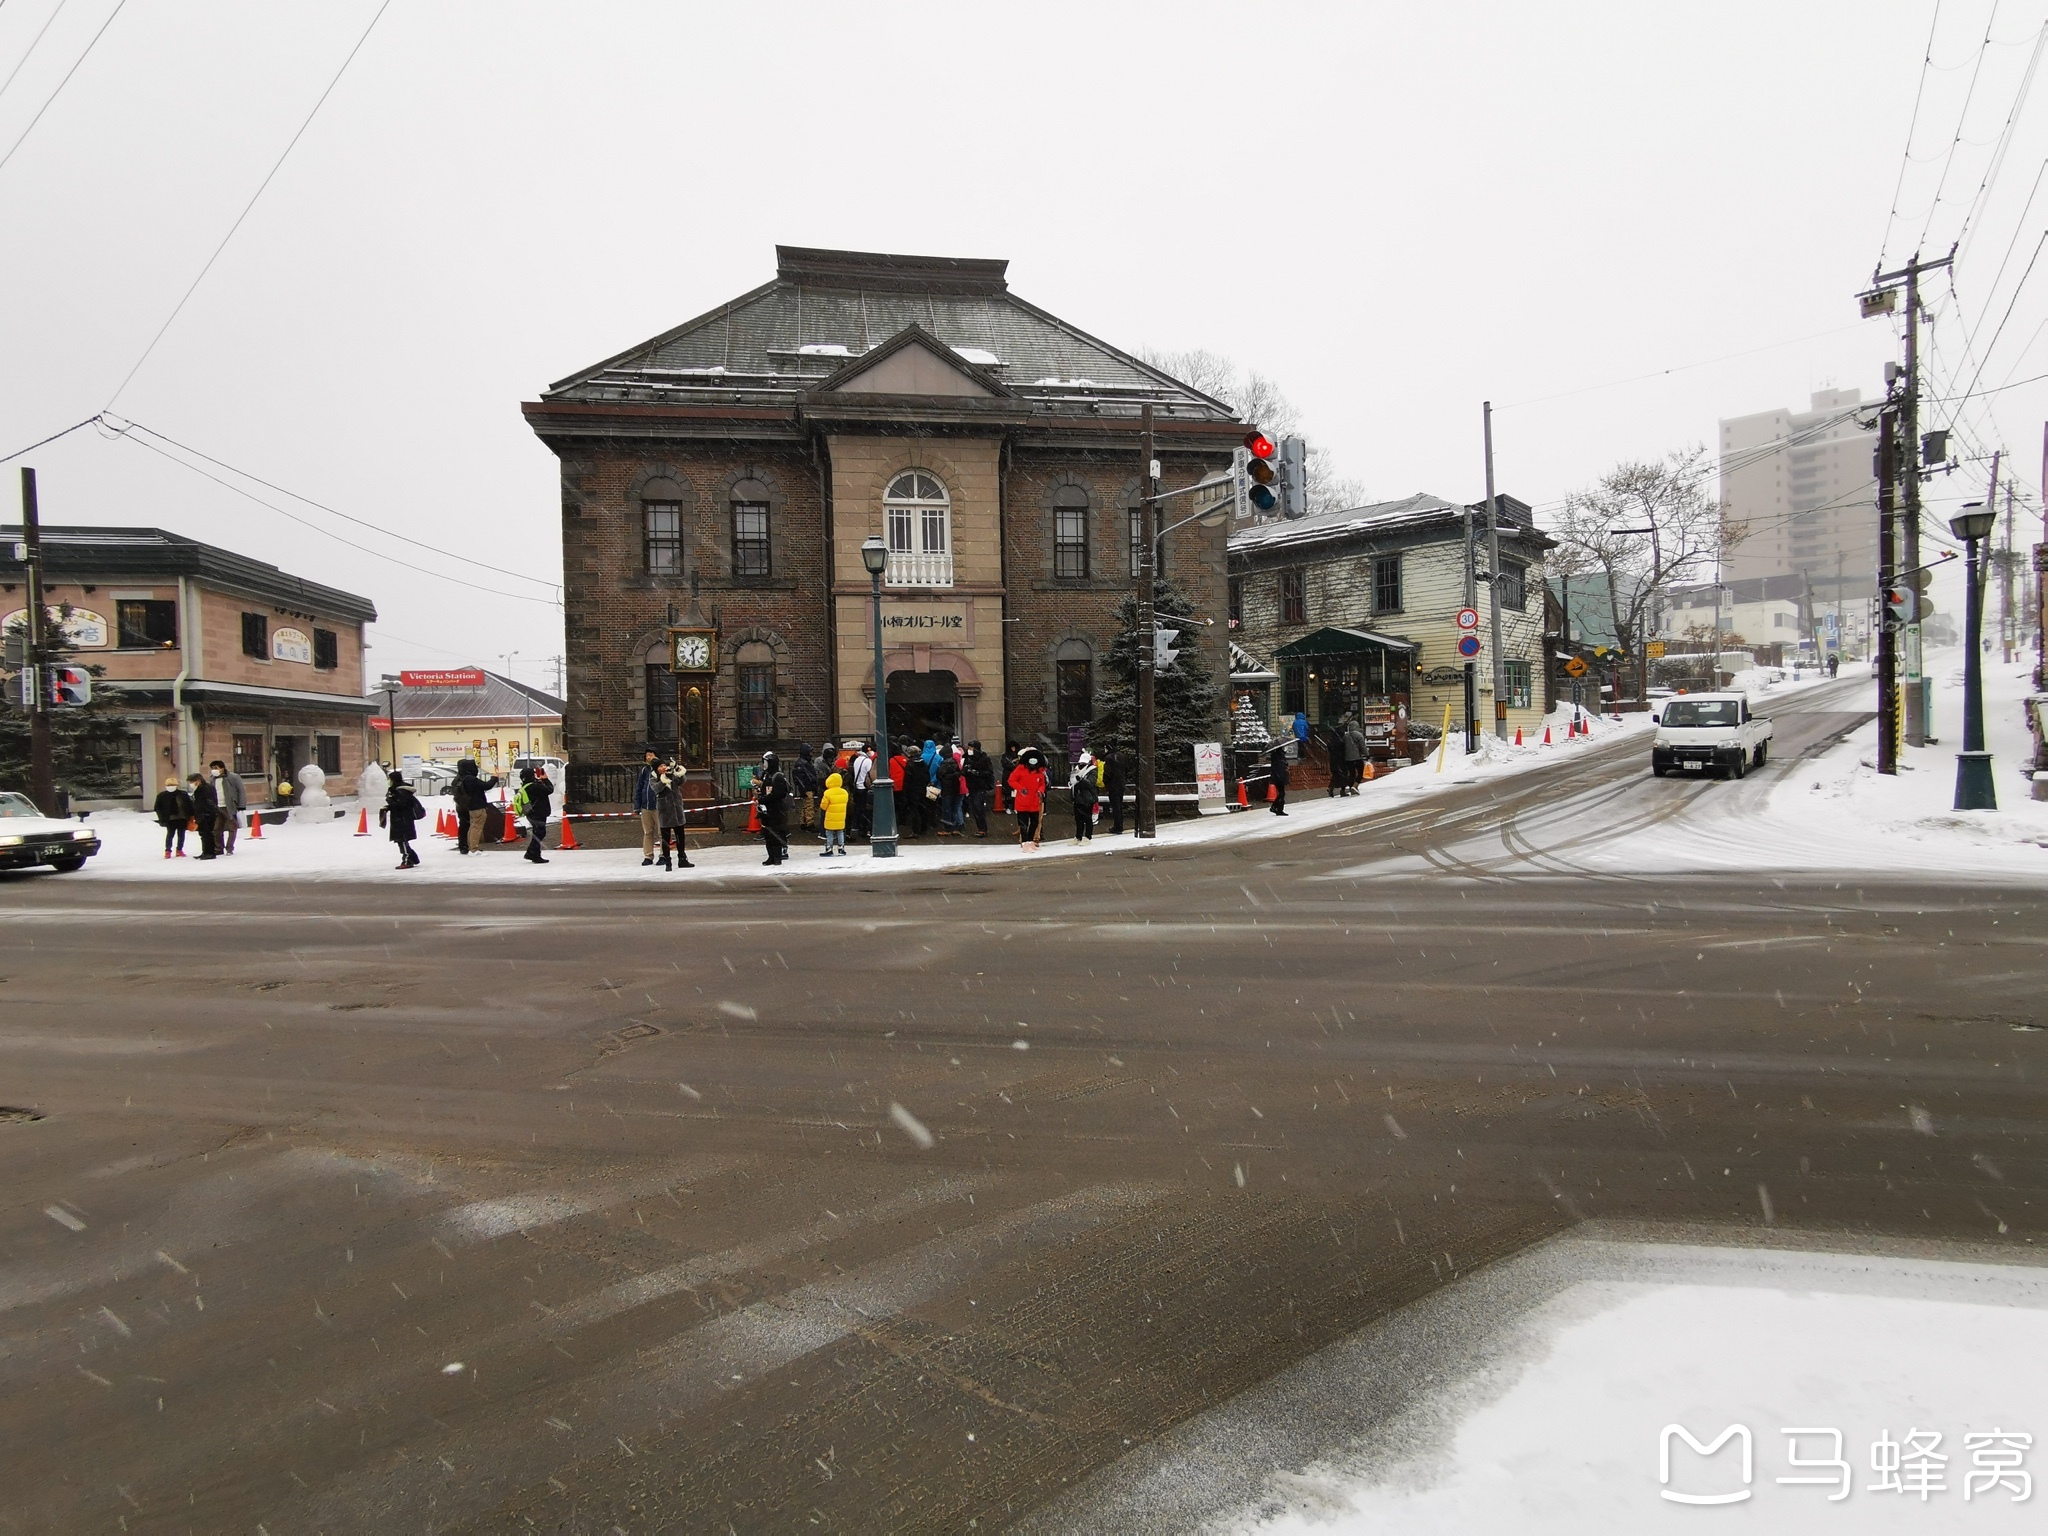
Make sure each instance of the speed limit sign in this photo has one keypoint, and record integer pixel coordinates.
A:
(1468, 618)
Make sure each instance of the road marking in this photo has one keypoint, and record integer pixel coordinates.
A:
(482, 1220)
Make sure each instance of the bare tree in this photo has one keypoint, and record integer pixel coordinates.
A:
(1643, 529)
(1258, 400)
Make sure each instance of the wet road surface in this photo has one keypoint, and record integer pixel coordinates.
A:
(910, 1205)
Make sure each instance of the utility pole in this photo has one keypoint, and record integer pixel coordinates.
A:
(2008, 632)
(42, 775)
(1500, 675)
(1471, 668)
(1148, 516)
(1887, 575)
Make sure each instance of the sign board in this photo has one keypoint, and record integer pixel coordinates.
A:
(1208, 770)
(454, 677)
(1911, 651)
(450, 750)
(923, 623)
(1655, 650)
(1468, 645)
(1576, 667)
(379, 723)
(1468, 618)
(83, 631)
(290, 644)
(1444, 677)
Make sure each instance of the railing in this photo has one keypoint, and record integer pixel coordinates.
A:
(601, 783)
(915, 570)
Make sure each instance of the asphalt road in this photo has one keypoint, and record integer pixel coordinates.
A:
(907, 1207)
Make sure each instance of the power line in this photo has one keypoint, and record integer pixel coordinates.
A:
(248, 206)
(1962, 118)
(18, 63)
(119, 425)
(2012, 118)
(1912, 125)
(1659, 373)
(32, 447)
(31, 128)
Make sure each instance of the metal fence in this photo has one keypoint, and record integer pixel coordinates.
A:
(601, 784)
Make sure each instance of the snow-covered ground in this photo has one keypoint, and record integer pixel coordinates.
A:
(302, 849)
(1534, 1394)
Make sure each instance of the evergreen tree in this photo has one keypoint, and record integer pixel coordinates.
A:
(89, 744)
(1187, 701)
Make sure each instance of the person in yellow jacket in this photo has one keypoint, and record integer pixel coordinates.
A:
(833, 806)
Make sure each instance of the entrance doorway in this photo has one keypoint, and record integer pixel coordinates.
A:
(923, 706)
(284, 750)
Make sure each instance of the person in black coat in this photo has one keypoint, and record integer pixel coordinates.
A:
(1116, 778)
(172, 810)
(915, 806)
(772, 792)
(978, 773)
(472, 804)
(540, 799)
(206, 812)
(1276, 766)
(402, 814)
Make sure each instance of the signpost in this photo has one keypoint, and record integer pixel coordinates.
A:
(1468, 646)
(1209, 771)
(1468, 618)
(453, 677)
(1576, 667)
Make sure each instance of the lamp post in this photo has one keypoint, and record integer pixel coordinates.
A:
(874, 554)
(1974, 791)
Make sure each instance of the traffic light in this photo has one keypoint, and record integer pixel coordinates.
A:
(1898, 605)
(70, 685)
(1293, 477)
(1163, 649)
(1258, 464)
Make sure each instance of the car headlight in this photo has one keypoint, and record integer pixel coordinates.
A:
(12, 842)
(80, 835)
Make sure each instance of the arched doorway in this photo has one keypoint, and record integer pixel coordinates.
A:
(923, 706)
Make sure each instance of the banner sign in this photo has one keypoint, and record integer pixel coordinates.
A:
(292, 645)
(454, 677)
(1209, 770)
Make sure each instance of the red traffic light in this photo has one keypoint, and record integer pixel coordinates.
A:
(1258, 445)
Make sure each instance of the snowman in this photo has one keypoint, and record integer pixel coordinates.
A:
(372, 784)
(313, 788)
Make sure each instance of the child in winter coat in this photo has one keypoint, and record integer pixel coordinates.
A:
(832, 807)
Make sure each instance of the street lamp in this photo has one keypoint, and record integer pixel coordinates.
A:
(1974, 791)
(874, 554)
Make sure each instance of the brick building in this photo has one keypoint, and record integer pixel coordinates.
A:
(731, 468)
(211, 653)
(1357, 610)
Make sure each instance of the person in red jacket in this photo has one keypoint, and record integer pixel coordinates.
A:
(898, 764)
(1027, 794)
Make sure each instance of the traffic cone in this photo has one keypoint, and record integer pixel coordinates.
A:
(511, 828)
(1546, 736)
(1367, 771)
(256, 825)
(999, 799)
(569, 835)
(1244, 801)
(1518, 734)
(753, 815)
(363, 822)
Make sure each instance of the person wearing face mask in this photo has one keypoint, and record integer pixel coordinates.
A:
(234, 799)
(172, 810)
(205, 811)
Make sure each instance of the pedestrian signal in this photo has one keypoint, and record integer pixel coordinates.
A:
(70, 685)
(1163, 649)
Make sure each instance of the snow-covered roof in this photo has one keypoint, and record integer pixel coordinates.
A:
(1247, 668)
(1377, 517)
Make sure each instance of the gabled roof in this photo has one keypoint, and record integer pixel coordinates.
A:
(1381, 517)
(824, 309)
(914, 336)
(150, 555)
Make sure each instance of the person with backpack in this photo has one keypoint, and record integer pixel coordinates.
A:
(1083, 790)
(1027, 792)
(862, 782)
(832, 811)
(402, 813)
(647, 805)
(172, 810)
(916, 803)
(534, 799)
(806, 783)
(952, 793)
(772, 793)
(978, 773)
(672, 814)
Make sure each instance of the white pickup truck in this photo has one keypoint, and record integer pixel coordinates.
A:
(1700, 732)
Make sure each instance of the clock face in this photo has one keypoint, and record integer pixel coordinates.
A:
(693, 652)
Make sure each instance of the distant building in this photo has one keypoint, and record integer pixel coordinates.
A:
(1799, 486)
(1765, 610)
(494, 721)
(1357, 611)
(212, 654)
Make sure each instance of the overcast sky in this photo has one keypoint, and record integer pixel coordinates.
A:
(1396, 211)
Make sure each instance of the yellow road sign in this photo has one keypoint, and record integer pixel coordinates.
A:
(1656, 649)
(1576, 667)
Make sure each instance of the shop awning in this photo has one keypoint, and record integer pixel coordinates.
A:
(1342, 642)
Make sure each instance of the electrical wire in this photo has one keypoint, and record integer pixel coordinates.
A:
(18, 63)
(1659, 373)
(120, 424)
(1912, 126)
(1962, 118)
(140, 442)
(1997, 164)
(32, 447)
(274, 169)
(51, 99)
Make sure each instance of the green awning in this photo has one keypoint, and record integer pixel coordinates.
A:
(1342, 642)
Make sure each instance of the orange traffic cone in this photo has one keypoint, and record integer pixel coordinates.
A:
(1367, 771)
(363, 822)
(999, 799)
(569, 835)
(511, 828)
(256, 825)
(1518, 734)
(1546, 735)
(753, 815)
(1244, 801)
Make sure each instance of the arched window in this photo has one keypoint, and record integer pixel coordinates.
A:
(1070, 533)
(920, 515)
(750, 549)
(661, 527)
(1073, 686)
(755, 662)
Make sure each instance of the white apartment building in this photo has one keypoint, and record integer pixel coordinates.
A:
(1800, 485)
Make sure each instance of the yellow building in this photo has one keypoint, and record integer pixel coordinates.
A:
(442, 717)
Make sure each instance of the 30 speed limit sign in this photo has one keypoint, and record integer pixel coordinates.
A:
(1468, 618)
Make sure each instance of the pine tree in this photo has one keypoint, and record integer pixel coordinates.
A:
(1186, 699)
(88, 743)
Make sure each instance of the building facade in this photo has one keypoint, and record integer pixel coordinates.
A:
(1801, 496)
(210, 654)
(468, 712)
(723, 476)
